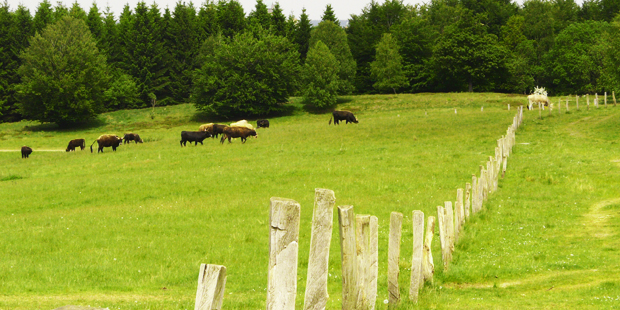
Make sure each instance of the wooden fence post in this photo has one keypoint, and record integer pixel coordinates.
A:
(373, 264)
(567, 104)
(577, 101)
(320, 240)
(428, 268)
(348, 253)
(559, 106)
(362, 240)
(450, 227)
(613, 94)
(396, 224)
(459, 213)
(467, 199)
(283, 251)
(588, 100)
(416, 260)
(605, 99)
(211, 283)
(445, 247)
(474, 193)
(596, 100)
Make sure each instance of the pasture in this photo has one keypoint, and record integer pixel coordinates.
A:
(129, 229)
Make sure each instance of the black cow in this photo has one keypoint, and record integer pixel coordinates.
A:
(342, 116)
(106, 141)
(26, 151)
(81, 143)
(193, 136)
(128, 137)
(218, 129)
(262, 123)
(237, 132)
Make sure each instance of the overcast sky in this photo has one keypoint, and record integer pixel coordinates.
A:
(314, 8)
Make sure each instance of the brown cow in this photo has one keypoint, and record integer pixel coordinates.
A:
(237, 132)
(218, 129)
(128, 137)
(106, 141)
(76, 143)
(342, 116)
(26, 151)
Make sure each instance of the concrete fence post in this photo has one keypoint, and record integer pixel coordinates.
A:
(211, 284)
(396, 224)
(348, 253)
(428, 267)
(320, 240)
(416, 260)
(283, 251)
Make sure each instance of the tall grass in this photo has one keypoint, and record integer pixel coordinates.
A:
(129, 229)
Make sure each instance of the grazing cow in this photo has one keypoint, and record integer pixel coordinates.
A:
(262, 123)
(106, 141)
(206, 127)
(75, 143)
(128, 137)
(242, 123)
(26, 151)
(218, 129)
(342, 116)
(238, 132)
(193, 136)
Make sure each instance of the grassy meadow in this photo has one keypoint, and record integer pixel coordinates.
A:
(129, 229)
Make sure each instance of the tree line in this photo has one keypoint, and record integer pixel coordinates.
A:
(64, 64)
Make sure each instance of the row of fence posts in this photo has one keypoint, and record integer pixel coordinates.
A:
(358, 245)
(595, 103)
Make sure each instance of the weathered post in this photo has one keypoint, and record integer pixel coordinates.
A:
(577, 102)
(596, 100)
(559, 106)
(348, 253)
(474, 194)
(283, 251)
(467, 199)
(445, 247)
(211, 283)
(396, 224)
(362, 239)
(509, 107)
(605, 99)
(504, 162)
(613, 94)
(373, 264)
(539, 111)
(450, 227)
(320, 240)
(588, 100)
(416, 260)
(459, 213)
(567, 104)
(428, 268)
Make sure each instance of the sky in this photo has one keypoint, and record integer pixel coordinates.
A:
(314, 8)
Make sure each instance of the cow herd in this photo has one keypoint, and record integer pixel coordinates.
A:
(241, 129)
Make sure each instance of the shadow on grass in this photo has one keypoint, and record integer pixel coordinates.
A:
(206, 117)
(53, 127)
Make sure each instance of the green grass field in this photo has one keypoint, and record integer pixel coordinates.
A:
(129, 229)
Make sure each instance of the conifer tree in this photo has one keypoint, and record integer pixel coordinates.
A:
(231, 17)
(207, 21)
(329, 15)
(183, 45)
(59, 12)
(278, 21)
(43, 16)
(259, 17)
(77, 12)
(302, 34)
(95, 24)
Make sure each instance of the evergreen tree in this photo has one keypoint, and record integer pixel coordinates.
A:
(302, 35)
(259, 18)
(124, 39)
(319, 79)
(108, 44)
(328, 15)
(278, 21)
(17, 39)
(231, 18)
(63, 75)
(7, 23)
(77, 12)
(387, 69)
(207, 21)
(246, 75)
(182, 41)
(60, 11)
(95, 24)
(334, 37)
(44, 16)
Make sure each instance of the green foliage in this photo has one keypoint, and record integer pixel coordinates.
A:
(328, 15)
(95, 25)
(319, 79)
(467, 54)
(246, 75)
(416, 38)
(387, 69)
(259, 18)
(77, 12)
(278, 21)
(207, 21)
(181, 38)
(521, 57)
(336, 40)
(123, 92)
(43, 16)
(63, 75)
(230, 17)
(575, 63)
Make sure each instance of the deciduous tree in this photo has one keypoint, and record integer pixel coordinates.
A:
(319, 79)
(387, 69)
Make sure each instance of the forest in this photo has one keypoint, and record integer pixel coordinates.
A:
(67, 64)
